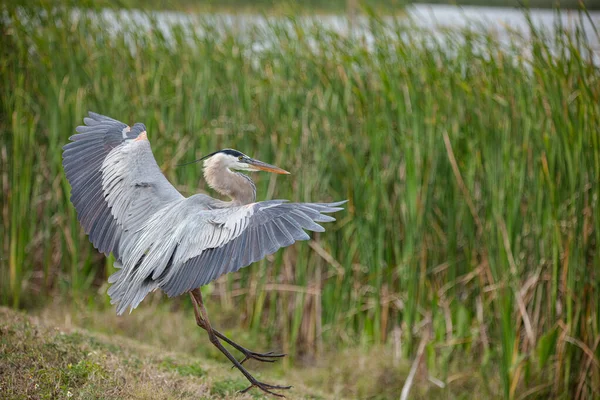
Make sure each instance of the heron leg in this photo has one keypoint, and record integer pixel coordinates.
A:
(203, 321)
(248, 354)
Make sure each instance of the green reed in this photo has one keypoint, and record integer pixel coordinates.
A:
(472, 172)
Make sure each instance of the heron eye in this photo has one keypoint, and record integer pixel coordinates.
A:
(240, 158)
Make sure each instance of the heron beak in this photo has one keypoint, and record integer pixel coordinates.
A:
(261, 166)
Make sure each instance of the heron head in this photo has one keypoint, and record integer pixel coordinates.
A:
(236, 160)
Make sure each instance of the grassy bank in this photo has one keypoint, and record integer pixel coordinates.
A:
(161, 353)
(50, 360)
(49, 355)
(472, 172)
(353, 373)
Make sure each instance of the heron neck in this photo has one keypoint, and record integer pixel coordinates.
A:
(237, 186)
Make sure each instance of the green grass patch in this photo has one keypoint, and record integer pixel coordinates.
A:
(39, 364)
(228, 387)
(183, 369)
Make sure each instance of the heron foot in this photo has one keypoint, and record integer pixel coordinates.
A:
(269, 357)
(262, 357)
(265, 387)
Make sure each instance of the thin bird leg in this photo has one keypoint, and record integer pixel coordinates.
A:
(248, 354)
(201, 313)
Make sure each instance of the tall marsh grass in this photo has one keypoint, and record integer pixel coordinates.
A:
(472, 170)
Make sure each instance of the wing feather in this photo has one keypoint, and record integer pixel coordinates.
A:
(295, 229)
(82, 159)
(99, 189)
(287, 230)
(253, 248)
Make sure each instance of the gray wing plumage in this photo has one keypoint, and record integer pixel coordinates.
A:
(272, 225)
(199, 245)
(82, 161)
(160, 239)
(107, 189)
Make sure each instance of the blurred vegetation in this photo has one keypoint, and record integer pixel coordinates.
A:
(472, 170)
(283, 7)
(308, 6)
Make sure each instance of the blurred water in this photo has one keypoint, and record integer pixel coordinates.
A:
(501, 21)
(431, 19)
(495, 18)
(505, 22)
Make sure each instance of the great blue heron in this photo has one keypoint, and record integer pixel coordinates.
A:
(163, 240)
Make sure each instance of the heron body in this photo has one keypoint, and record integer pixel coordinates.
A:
(163, 240)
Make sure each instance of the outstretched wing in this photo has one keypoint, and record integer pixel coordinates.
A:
(198, 245)
(114, 179)
(269, 226)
